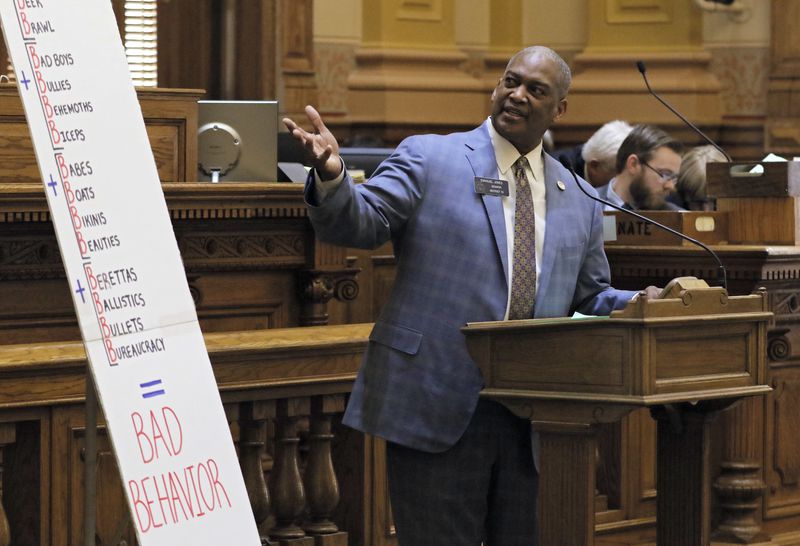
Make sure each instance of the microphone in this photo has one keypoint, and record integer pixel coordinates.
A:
(692, 126)
(722, 275)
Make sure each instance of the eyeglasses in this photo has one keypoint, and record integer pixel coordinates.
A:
(665, 176)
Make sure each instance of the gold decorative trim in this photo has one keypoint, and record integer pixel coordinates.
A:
(419, 10)
(638, 11)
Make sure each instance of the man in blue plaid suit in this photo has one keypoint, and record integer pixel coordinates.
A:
(460, 469)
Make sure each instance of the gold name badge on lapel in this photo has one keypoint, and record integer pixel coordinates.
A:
(491, 186)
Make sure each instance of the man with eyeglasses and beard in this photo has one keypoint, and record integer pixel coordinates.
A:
(648, 162)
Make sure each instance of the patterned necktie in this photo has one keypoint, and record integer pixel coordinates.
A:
(523, 279)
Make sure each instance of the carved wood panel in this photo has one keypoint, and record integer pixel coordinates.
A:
(375, 280)
(66, 458)
(25, 480)
(782, 468)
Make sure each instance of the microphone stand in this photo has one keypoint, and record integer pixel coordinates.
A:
(722, 275)
(643, 70)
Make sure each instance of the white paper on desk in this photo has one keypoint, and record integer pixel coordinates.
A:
(578, 316)
(769, 158)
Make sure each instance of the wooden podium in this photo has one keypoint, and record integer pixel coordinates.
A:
(690, 353)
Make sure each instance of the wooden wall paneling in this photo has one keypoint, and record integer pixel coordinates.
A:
(785, 42)
(17, 162)
(119, 13)
(189, 45)
(782, 471)
(4, 60)
(781, 467)
(67, 488)
(297, 85)
(376, 271)
(641, 468)
(633, 457)
(608, 472)
(42, 311)
(26, 477)
(244, 301)
(35, 295)
(783, 104)
(243, 277)
(255, 65)
(170, 117)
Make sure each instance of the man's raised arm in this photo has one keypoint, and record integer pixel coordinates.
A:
(320, 146)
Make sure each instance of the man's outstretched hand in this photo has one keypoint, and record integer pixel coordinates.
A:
(320, 146)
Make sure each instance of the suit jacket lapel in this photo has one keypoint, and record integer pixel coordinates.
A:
(480, 155)
(554, 198)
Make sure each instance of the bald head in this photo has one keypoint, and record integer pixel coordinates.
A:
(564, 73)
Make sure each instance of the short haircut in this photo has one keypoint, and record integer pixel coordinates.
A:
(642, 142)
(565, 74)
(602, 146)
(691, 184)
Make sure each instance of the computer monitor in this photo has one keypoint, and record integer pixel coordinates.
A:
(237, 141)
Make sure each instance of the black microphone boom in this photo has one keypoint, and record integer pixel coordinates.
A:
(721, 272)
(643, 69)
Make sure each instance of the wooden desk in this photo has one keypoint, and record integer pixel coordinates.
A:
(569, 376)
(760, 450)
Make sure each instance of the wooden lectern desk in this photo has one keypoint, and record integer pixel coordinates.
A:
(686, 355)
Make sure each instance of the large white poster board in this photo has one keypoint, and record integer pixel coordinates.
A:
(139, 325)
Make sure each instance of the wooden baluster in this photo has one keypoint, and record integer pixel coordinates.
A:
(8, 435)
(286, 485)
(684, 471)
(739, 486)
(322, 487)
(252, 420)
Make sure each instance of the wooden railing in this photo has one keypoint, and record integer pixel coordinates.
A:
(282, 390)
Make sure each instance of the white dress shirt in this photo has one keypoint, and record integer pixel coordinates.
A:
(613, 197)
(506, 155)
